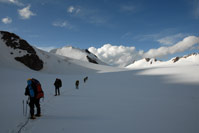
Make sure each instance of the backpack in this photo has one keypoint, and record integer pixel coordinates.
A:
(39, 91)
(60, 83)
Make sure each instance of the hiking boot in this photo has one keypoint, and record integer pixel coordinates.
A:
(33, 117)
(38, 115)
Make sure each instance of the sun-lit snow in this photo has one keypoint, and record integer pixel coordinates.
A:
(76, 53)
(153, 99)
(148, 100)
(192, 59)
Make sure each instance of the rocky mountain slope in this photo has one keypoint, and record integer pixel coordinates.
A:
(17, 53)
(20, 50)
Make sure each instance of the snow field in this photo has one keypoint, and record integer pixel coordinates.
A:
(128, 101)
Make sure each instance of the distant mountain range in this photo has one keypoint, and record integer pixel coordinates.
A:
(151, 62)
(18, 53)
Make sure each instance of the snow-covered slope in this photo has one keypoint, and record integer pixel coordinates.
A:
(79, 54)
(151, 100)
(146, 62)
(192, 59)
(118, 102)
(187, 59)
(13, 47)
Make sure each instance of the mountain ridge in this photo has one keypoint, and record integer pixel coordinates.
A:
(152, 62)
(17, 50)
(11, 54)
(77, 53)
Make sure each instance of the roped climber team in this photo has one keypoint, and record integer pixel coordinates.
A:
(35, 93)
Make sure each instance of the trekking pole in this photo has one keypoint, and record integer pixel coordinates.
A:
(26, 109)
(23, 107)
(26, 106)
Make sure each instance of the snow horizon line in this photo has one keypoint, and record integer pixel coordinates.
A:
(124, 55)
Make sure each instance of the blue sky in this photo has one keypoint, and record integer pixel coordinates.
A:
(143, 24)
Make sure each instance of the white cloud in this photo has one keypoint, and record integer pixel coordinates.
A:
(63, 24)
(16, 2)
(25, 13)
(89, 15)
(6, 20)
(116, 55)
(164, 34)
(123, 56)
(185, 44)
(170, 40)
(72, 9)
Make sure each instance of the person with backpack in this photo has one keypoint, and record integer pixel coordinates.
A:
(85, 79)
(35, 92)
(77, 84)
(57, 84)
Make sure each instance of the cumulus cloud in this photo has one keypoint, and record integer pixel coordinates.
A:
(116, 55)
(6, 20)
(185, 44)
(16, 2)
(170, 40)
(63, 24)
(25, 13)
(123, 56)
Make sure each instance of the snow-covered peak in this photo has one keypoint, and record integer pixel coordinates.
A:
(147, 62)
(17, 53)
(192, 58)
(76, 53)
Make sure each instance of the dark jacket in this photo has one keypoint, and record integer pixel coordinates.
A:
(58, 83)
(77, 83)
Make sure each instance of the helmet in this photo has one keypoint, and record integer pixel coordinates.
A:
(29, 81)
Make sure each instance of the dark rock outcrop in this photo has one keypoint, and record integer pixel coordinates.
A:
(87, 51)
(31, 59)
(147, 59)
(193, 54)
(176, 59)
(91, 60)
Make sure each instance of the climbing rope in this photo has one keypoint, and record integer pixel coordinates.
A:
(23, 125)
(25, 112)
